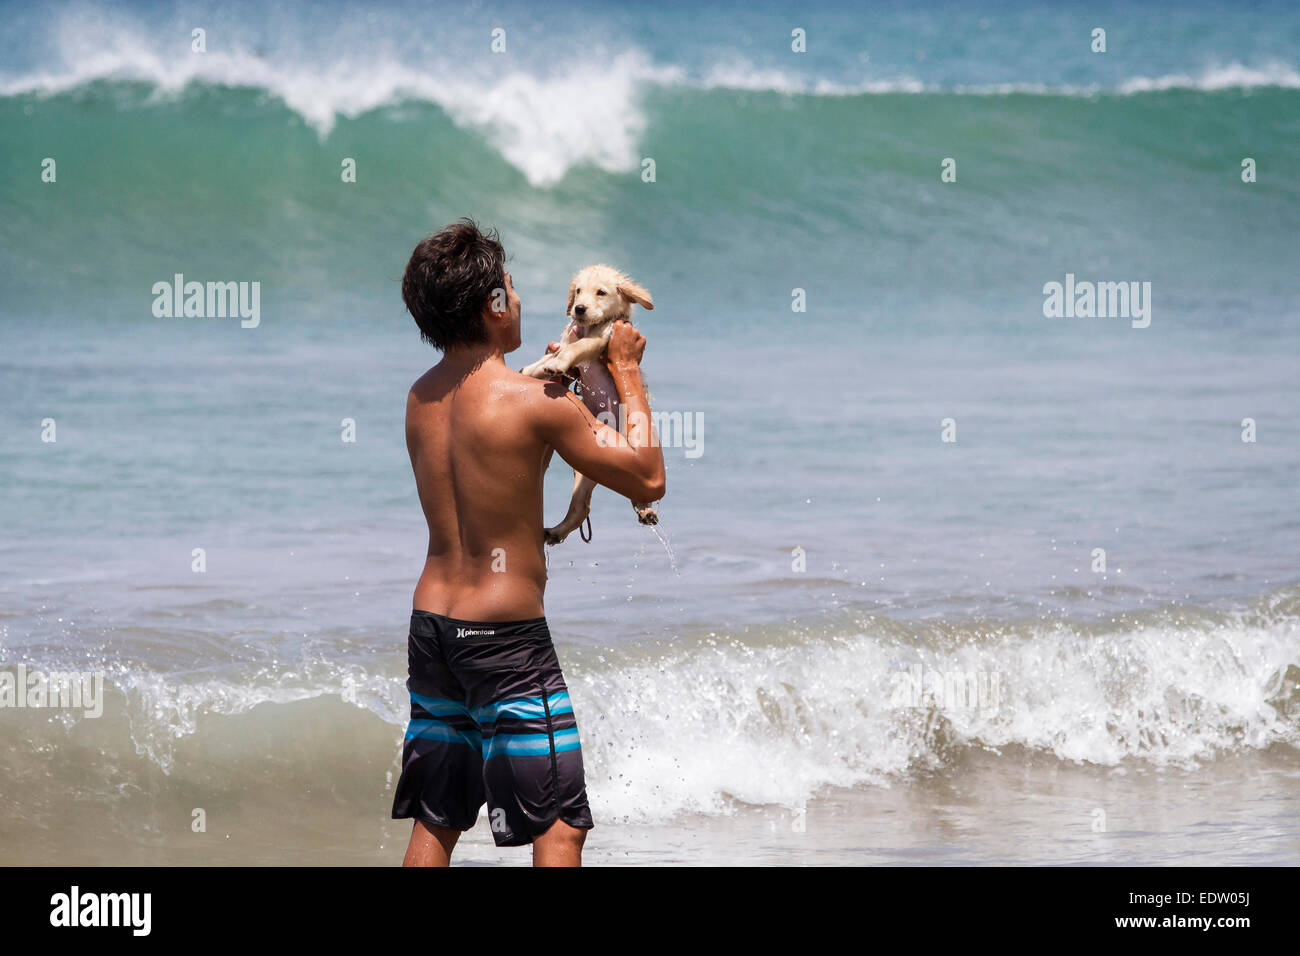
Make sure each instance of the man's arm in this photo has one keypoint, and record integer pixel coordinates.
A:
(634, 467)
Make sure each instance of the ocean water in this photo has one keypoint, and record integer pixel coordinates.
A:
(862, 643)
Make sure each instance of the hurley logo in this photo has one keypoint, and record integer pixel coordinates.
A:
(470, 632)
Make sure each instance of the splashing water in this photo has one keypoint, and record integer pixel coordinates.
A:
(663, 538)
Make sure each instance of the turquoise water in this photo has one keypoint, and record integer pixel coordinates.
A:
(775, 171)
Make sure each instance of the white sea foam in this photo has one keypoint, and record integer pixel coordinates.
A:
(741, 75)
(583, 112)
(542, 125)
(1232, 76)
(711, 725)
(772, 725)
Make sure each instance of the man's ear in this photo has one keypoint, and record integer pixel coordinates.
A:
(498, 301)
(635, 292)
(568, 309)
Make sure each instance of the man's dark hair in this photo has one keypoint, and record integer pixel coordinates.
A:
(448, 280)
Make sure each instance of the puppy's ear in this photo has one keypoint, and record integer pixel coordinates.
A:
(635, 292)
(568, 309)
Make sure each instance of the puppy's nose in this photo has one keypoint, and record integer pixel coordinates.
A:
(580, 309)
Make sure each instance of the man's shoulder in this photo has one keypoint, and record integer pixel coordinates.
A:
(534, 389)
(422, 385)
(541, 399)
(504, 385)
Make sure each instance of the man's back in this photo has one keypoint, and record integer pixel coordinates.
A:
(478, 465)
(491, 719)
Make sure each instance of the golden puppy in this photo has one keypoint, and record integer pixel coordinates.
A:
(599, 296)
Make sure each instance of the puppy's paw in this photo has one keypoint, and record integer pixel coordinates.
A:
(546, 367)
(646, 514)
(554, 535)
(550, 367)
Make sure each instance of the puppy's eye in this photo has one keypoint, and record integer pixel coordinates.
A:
(577, 292)
(600, 292)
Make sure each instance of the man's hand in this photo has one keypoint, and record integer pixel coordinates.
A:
(632, 465)
(626, 346)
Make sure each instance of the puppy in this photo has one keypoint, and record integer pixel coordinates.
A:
(599, 296)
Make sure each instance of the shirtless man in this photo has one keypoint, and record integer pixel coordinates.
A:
(491, 718)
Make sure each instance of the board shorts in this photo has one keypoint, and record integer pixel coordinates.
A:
(491, 721)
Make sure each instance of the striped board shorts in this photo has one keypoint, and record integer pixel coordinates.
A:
(491, 721)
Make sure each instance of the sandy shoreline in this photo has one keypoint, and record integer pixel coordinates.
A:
(1016, 808)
